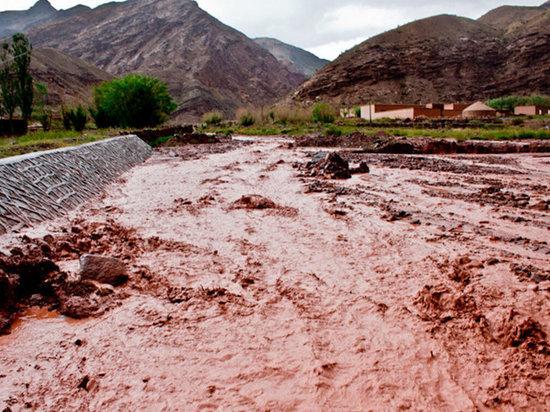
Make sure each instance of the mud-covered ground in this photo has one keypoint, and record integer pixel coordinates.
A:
(423, 285)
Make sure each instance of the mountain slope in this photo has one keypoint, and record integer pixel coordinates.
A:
(518, 20)
(206, 64)
(292, 57)
(441, 58)
(42, 12)
(69, 79)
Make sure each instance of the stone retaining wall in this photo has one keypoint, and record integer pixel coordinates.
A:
(44, 185)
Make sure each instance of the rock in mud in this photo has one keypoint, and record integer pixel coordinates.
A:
(254, 202)
(362, 168)
(79, 307)
(8, 286)
(329, 166)
(542, 206)
(529, 273)
(103, 269)
(516, 331)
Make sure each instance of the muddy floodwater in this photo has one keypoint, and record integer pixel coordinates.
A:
(422, 285)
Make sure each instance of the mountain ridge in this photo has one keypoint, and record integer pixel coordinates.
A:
(440, 58)
(206, 64)
(293, 57)
(42, 12)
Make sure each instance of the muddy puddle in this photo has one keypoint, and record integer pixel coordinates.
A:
(422, 285)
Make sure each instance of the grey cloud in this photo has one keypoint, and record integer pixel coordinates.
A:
(313, 23)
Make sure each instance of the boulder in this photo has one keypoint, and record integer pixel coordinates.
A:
(8, 286)
(103, 269)
(362, 168)
(330, 166)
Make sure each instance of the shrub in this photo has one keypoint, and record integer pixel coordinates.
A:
(323, 113)
(213, 118)
(65, 118)
(517, 122)
(247, 120)
(292, 115)
(78, 118)
(357, 111)
(246, 117)
(135, 101)
(333, 131)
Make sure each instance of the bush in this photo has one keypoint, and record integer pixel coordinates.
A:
(135, 101)
(291, 115)
(213, 118)
(323, 113)
(333, 131)
(66, 119)
(246, 117)
(78, 118)
(247, 120)
(357, 111)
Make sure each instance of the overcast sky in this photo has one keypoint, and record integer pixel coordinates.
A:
(324, 27)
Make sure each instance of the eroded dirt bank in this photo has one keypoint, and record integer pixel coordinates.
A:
(423, 285)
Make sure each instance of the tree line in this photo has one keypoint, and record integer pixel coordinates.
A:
(135, 101)
(16, 83)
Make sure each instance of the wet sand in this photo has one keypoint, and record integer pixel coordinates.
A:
(424, 285)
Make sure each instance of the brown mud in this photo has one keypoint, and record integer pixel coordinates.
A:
(423, 285)
(381, 142)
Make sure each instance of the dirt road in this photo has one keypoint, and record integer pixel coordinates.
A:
(424, 285)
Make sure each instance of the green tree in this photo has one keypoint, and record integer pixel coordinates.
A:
(21, 50)
(134, 101)
(8, 83)
(43, 111)
(65, 117)
(511, 102)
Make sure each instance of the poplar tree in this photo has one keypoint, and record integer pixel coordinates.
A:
(8, 82)
(21, 50)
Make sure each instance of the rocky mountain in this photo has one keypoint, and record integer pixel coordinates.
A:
(442, 59)
(41, 13)
(292, 57)
(69, 79)
(206, 64)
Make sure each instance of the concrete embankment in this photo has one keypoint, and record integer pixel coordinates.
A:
(44, 185)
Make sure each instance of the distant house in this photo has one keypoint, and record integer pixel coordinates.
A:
(479, 110)
(411, 111)
(531, 110)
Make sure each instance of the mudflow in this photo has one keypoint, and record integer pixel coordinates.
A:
(422, 285)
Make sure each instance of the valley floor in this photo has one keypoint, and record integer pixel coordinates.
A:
(424, 285)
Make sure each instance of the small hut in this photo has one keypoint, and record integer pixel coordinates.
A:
(479, 110)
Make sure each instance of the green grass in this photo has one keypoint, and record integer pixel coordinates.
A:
(39, 140)
(482, 134)
(484, 131)
(54, 139)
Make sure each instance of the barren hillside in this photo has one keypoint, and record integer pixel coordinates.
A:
(206, 64)
(442, 58)
(69, 79)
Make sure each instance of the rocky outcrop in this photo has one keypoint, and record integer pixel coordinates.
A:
(206, 64)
